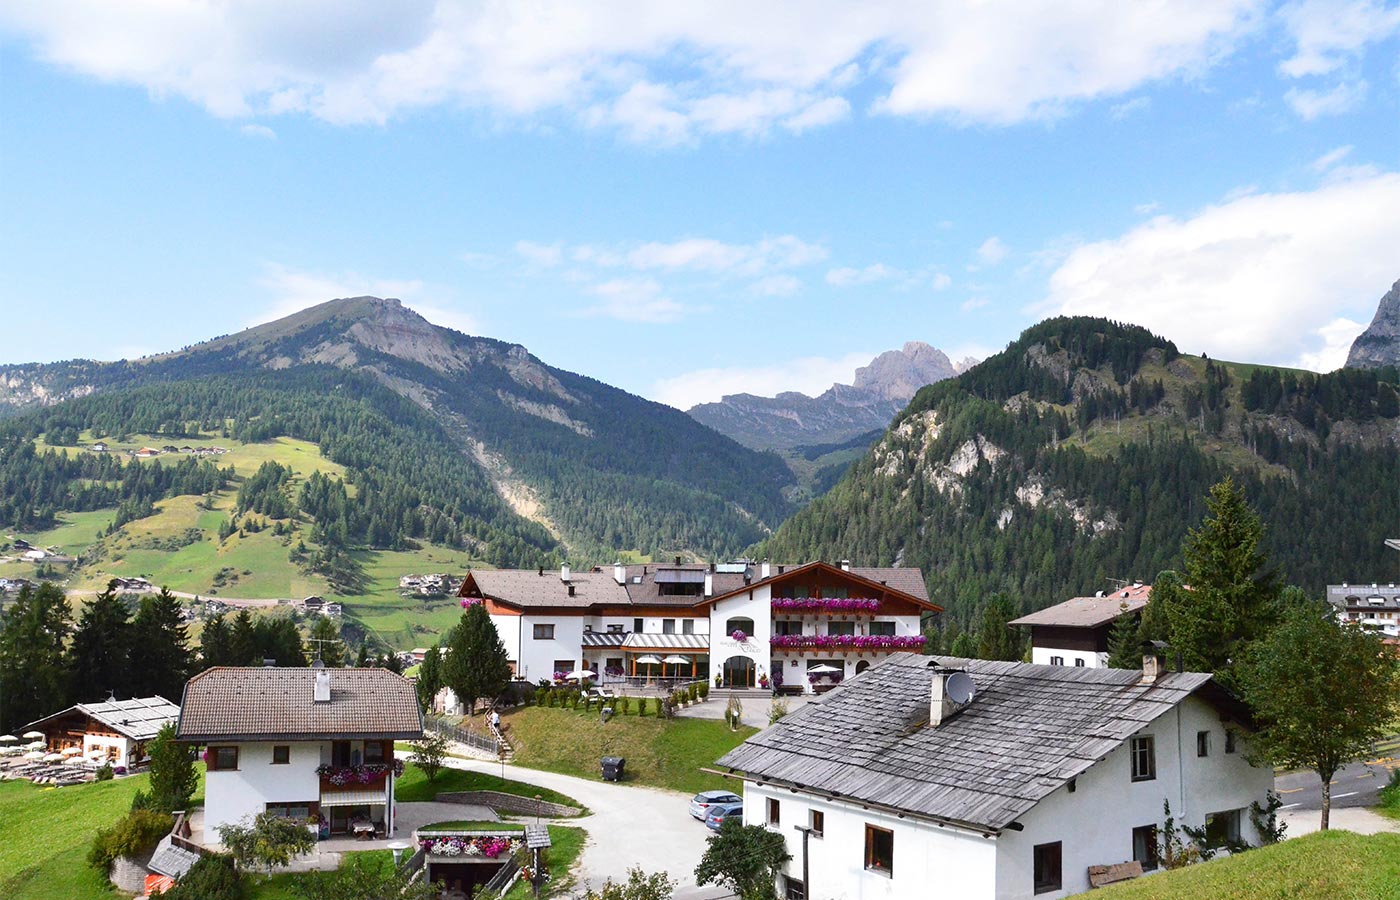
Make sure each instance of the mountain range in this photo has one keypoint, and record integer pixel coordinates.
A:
(842, 412)
(1379, 344)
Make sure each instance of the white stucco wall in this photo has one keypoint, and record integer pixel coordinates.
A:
(105, 743)
(1095, 823)
(537, 656)
(508, 630)
(246, 791)
(928, 861)
(1041, 656)
(753, 604)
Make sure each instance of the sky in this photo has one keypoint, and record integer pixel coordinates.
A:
(693, 199)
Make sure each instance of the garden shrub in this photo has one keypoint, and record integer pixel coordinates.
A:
(104, 774)
(622, 703)
(211, 878)
(704, 688)
(134, 835)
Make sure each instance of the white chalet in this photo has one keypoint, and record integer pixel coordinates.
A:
(1076, 632)
(751, 625)
(1047, 772)
(300, 742)
(1375, 607)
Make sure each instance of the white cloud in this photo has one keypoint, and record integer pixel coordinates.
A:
(777, 286)
(546, 255)
(659, 72)
(849, 277)
(972, 303)
(259, 131)
(808, 375)
(941, 282)
(1337, 336)
(707, 254)
(1147, 209)
(1342, 98)
(292, 290)
(1122, 111)
(1265, 278)
(1331, 158)
(1328, 34)
(992, 251)
(634, 300)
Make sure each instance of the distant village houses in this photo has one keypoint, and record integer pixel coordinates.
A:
(1076, 632)
(1375, 607)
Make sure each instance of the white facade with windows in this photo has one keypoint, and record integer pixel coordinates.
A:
(999, 832)
(1375, 607)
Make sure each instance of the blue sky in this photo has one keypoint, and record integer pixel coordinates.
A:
(687, 202)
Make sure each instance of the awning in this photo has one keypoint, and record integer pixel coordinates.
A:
(364, 796)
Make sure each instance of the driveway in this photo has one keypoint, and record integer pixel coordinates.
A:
(630, 826)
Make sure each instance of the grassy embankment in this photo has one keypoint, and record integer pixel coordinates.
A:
(659, 753)
(414, 786)
(1336, 865)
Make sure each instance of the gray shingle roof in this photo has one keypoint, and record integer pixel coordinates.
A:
(1090, 612)
(247, 704)
(1028, 731)
(173, 861)
(137, 719)
(527, 587)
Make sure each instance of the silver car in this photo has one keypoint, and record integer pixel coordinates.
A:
(702, 802)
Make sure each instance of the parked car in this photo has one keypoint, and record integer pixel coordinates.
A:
(722, 811)
(700, 804)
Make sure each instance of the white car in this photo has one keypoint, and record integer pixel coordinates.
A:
(703, 802)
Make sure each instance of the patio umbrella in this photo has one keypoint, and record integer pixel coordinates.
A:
(34, 754)
(52, 757)
(69, 751)
(36, 745)
(580, 674)
(75, 761)
(96, 753)
(649, 660)
(823, 669)
(7, 738)
(673, 660)
(34, 734)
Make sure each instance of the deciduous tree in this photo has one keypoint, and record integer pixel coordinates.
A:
(429, 677)
(745, 859)
(269, 841)
(1322, 693)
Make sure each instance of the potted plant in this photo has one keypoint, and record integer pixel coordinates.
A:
(719, 679)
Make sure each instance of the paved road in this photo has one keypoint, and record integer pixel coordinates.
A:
(630, 826)
(1354, 786)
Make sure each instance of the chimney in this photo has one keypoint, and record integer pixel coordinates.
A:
(950, 691)
(619, 572)
(1153, 666)
(780, 569)
(678, 560)
(709, 584)
(765, 570)
(322, 693)
(845, 565)
(541, 571)
(571, 590)
(564, 572)
(712, 568)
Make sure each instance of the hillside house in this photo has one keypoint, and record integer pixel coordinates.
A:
(300, 742)
(995, 780)
(113, 731)
(1076, 632)
(1376, 608)
(794, 628)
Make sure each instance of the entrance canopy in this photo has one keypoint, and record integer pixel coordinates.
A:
(352, 797)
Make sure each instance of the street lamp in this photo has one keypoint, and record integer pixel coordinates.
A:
(397, 848)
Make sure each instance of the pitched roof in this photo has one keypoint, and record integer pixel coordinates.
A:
(527, 587)
(1090, 612)
(904, 579)
(138, 719)
(249, 704)
(1028, 730)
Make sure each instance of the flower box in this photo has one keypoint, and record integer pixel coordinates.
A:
(857, 642)
(368, 773)
(805, 605)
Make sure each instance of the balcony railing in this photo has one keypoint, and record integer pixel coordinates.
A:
(860, 642)
(366, 773)
(825, 605)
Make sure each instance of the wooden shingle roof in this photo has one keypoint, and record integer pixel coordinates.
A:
(226, 703)
(1029, 730)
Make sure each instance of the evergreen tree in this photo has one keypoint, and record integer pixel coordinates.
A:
(1125, 641)
(996, 639)
(279, 639)
(33, 668)
(158, 635)
(216, 644)
(326, 644)
(964, 646)
(392, 663)
(362, 661)
(429, 677)
(243, 642)
(1229, 598)
(99, 659)
(173, 775)
(477, 665)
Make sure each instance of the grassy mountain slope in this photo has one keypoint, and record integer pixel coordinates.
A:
(1083, 452)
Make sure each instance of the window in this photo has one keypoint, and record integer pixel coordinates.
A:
(340, 753)
(613, 663)
(739, 623)
(1046, 866)
(1229, 740)
(563, 666)
(1203, 743)
(773, 812)
(882, 629)
(374, 752)
(1222, 828)
(668, 626)
(816, 821)
(1079, 662)
(840, 627)
(1057, 660)
(787, 626)
(637, 625)
(221, 758)
(615, 629)
(879, 849)
(687, 626)
(835, 593)
(793, 888)
(544, 632)
(1145, 846)
(281, 754)
(298, 811)
(1144, 759)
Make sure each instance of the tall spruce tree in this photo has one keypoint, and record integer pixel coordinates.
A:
(243, 641)
(99, 659)
(995, 638)
(216, 644)
(159, 638)
(33, 667)
(1125, 640)
(326, 644)
(477, 665)
(1228, 598)
(429, 677)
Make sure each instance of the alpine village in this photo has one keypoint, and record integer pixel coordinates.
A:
(354, 603)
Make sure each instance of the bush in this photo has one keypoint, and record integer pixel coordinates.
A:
(704, 688)
(210, 878)
(587, 702)
(622, 704)
(693, 692)
(574, 698)
(134, 835)
(105, 774)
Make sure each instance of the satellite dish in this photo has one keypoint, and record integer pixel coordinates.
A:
(960, 688)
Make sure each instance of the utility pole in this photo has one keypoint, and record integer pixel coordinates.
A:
(806, 884)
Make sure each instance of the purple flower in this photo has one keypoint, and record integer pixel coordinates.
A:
(738, 636)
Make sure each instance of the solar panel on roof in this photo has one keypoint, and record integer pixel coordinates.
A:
(680, 576)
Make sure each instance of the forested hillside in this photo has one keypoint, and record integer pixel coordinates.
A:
(451, 438)
(1083, 452)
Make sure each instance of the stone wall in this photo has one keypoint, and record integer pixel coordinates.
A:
(511, 803)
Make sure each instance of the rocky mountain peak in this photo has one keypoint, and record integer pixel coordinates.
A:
(898, 374)
(1379, 344)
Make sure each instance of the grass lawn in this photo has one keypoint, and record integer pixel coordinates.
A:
(667, 754)
(1337, 865)
(280, 886)
(1390, 796)
(414, 785)
(566, 843)
(45, 833)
